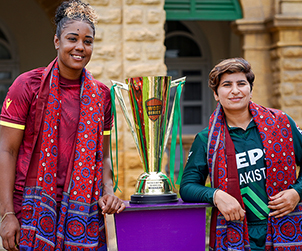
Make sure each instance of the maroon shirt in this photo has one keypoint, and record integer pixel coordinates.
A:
(19, 111)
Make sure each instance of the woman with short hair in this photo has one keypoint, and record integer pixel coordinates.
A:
(250, 153)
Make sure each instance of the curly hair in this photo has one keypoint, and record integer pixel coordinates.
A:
(74, 10)
(231, 65)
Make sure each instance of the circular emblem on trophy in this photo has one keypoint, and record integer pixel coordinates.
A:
(153, 108)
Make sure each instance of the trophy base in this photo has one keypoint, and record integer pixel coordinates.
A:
(153, 199)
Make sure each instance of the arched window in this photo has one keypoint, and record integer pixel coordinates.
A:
(186, 55)
(8, 64)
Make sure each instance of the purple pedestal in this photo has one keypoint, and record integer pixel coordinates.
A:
(173, 226)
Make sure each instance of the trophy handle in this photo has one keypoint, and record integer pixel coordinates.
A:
(117, 89)
(177, 81)
(174, 83)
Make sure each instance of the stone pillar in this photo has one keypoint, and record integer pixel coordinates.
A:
(256, 42)
(143, 55)
(129, 43)
(107, 59)
(286, 57)
(106, 62)
(272, 44)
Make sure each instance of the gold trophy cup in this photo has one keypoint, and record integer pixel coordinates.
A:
(149, 100)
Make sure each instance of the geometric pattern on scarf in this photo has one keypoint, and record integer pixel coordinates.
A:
(79, 225)
(275, 132)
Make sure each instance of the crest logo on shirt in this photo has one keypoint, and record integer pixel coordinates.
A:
(8, 102)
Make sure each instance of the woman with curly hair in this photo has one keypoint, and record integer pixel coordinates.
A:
(56, 176)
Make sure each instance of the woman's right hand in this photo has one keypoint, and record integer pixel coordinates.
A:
(10, 141)
(228, 206)
(10, 233)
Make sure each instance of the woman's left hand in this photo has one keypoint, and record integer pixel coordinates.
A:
(283, 203)
(111, 204)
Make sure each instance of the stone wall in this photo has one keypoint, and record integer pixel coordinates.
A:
(129, 43)
(287, 81)
(272, 43)
(286, 57)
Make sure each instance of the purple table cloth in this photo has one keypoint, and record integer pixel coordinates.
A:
(172, 226)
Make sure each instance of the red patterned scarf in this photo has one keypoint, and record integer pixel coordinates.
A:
(78, 224)
(276, 136)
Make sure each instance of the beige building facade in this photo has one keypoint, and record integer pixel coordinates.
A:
(141, 38)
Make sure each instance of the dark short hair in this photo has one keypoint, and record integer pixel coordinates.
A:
(231, 65)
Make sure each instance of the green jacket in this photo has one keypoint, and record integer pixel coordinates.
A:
(251, 172)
